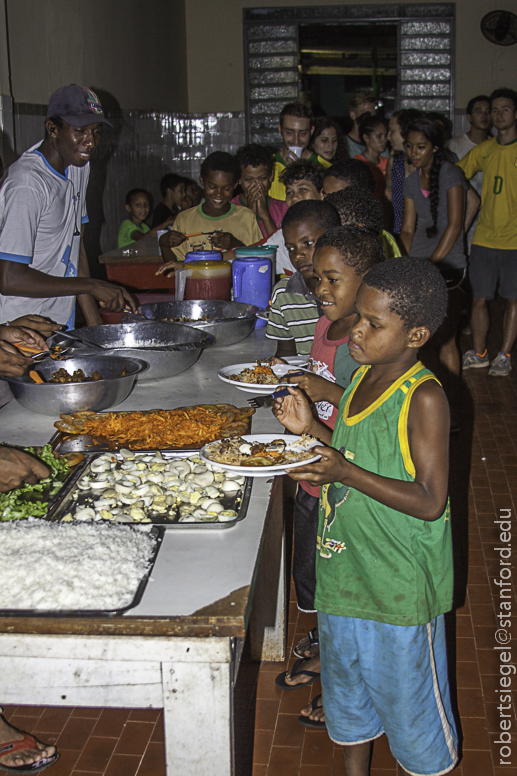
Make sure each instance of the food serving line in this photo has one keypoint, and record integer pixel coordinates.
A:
(180, 648)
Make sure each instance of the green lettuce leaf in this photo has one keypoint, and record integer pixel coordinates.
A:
(32, 500)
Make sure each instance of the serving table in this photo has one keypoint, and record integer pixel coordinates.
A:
(180, 648)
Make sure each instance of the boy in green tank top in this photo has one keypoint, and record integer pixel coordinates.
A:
(384, 567)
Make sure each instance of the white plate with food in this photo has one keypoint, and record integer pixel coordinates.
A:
(297, 361)
(256, 378)
(261, 455)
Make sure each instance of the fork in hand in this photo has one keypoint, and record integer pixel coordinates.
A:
(267, 400)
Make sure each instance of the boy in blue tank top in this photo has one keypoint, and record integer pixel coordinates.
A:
(384, 565)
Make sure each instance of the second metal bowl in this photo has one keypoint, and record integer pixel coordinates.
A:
(55, 398)
(229, 322)
(169, 348)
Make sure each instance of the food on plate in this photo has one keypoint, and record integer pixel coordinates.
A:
(62, 376)
(260, 374)
(137, 488)
(182, 427)
(239, 452)
(54, 566)
(32, 500)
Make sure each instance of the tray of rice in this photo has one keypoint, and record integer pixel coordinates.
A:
(74, 569)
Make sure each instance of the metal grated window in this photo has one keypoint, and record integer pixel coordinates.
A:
(426, 34)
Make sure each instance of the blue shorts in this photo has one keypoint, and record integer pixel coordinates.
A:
(392, 679)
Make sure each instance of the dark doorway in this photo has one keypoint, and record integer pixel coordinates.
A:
(322, 54)
(340, 60)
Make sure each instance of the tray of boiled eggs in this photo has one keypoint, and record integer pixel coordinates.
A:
(170, 489)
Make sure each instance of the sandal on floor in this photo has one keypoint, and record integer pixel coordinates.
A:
(27, 742)
(295, 671)
(317, 724)
(313, 642)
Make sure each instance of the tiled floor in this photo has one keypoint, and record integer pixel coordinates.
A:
(113, 742)
(130, 743)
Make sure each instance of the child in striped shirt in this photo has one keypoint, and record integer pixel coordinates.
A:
(295, 309)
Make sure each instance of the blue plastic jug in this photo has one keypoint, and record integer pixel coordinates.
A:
(252, 282)
(262, 251)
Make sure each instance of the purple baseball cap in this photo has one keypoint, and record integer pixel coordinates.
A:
(77, 105)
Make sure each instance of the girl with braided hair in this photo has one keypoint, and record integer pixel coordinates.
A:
(399, 167)
(432, 225)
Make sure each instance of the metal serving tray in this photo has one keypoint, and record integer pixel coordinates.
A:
(158, 533)
(61, 505)
(38, 497)
(89, 445)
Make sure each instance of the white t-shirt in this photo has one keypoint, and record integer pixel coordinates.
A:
(40, 210)
(461, 145)
(283, 262)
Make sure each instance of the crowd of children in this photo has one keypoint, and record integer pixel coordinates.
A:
(374, 508)
(375, 505)
(427, 204)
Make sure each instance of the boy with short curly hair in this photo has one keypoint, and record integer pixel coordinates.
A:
(233, 225)
(303, 181)
(256, 166)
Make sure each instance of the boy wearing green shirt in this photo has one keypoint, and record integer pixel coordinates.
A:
(384, 567)
(134, 228)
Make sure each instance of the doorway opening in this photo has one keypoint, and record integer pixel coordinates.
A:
(338, 61)
(322, 54)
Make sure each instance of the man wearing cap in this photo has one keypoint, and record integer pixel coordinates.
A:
(43, 264)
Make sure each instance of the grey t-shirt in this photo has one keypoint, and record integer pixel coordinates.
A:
(422, 246)
(41, 213)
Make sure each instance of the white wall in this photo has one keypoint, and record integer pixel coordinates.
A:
(132, 52)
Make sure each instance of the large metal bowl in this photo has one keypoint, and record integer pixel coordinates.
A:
(169, 348)
(55, 398)
(230, 322)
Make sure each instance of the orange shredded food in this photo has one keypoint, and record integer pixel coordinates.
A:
(162, 429)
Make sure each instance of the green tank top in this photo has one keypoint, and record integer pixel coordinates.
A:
(375, 563)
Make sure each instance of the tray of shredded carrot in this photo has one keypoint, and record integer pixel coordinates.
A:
(182, 428)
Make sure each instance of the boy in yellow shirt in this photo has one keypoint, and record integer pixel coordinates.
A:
(493, 257)
(218, 175)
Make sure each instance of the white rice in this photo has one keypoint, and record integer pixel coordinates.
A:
(66, 566)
